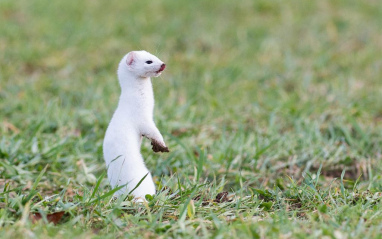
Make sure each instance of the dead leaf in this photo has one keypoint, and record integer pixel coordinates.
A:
(53, 217)
(178, 132)
(11, 127)
(221, 197)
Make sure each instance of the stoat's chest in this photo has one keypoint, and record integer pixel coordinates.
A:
(137, 103)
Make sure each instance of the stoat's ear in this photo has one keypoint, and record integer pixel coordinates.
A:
(130, 58)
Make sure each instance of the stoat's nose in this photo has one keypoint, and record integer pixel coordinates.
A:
(162, 67)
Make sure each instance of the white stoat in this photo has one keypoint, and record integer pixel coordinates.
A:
(132, 120)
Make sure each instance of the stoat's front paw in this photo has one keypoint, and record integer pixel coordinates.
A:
(159, 147)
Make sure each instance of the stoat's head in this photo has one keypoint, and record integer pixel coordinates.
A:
(141, 64)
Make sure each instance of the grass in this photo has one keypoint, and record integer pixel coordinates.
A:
(272, 111)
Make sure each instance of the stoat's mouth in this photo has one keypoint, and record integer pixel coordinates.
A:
(162, 67)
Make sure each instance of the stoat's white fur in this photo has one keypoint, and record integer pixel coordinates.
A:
(133, 119)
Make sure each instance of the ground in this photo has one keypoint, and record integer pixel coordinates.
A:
(272, 111)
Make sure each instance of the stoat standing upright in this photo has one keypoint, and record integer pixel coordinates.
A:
(133, 119)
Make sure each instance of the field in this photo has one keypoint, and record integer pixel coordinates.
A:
(272, 111)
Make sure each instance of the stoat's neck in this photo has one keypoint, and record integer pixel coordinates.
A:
(136, 87)
(136, 95)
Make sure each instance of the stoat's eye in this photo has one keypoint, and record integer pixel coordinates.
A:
(149, 62)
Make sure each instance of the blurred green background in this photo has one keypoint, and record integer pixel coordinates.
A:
(297, 74)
